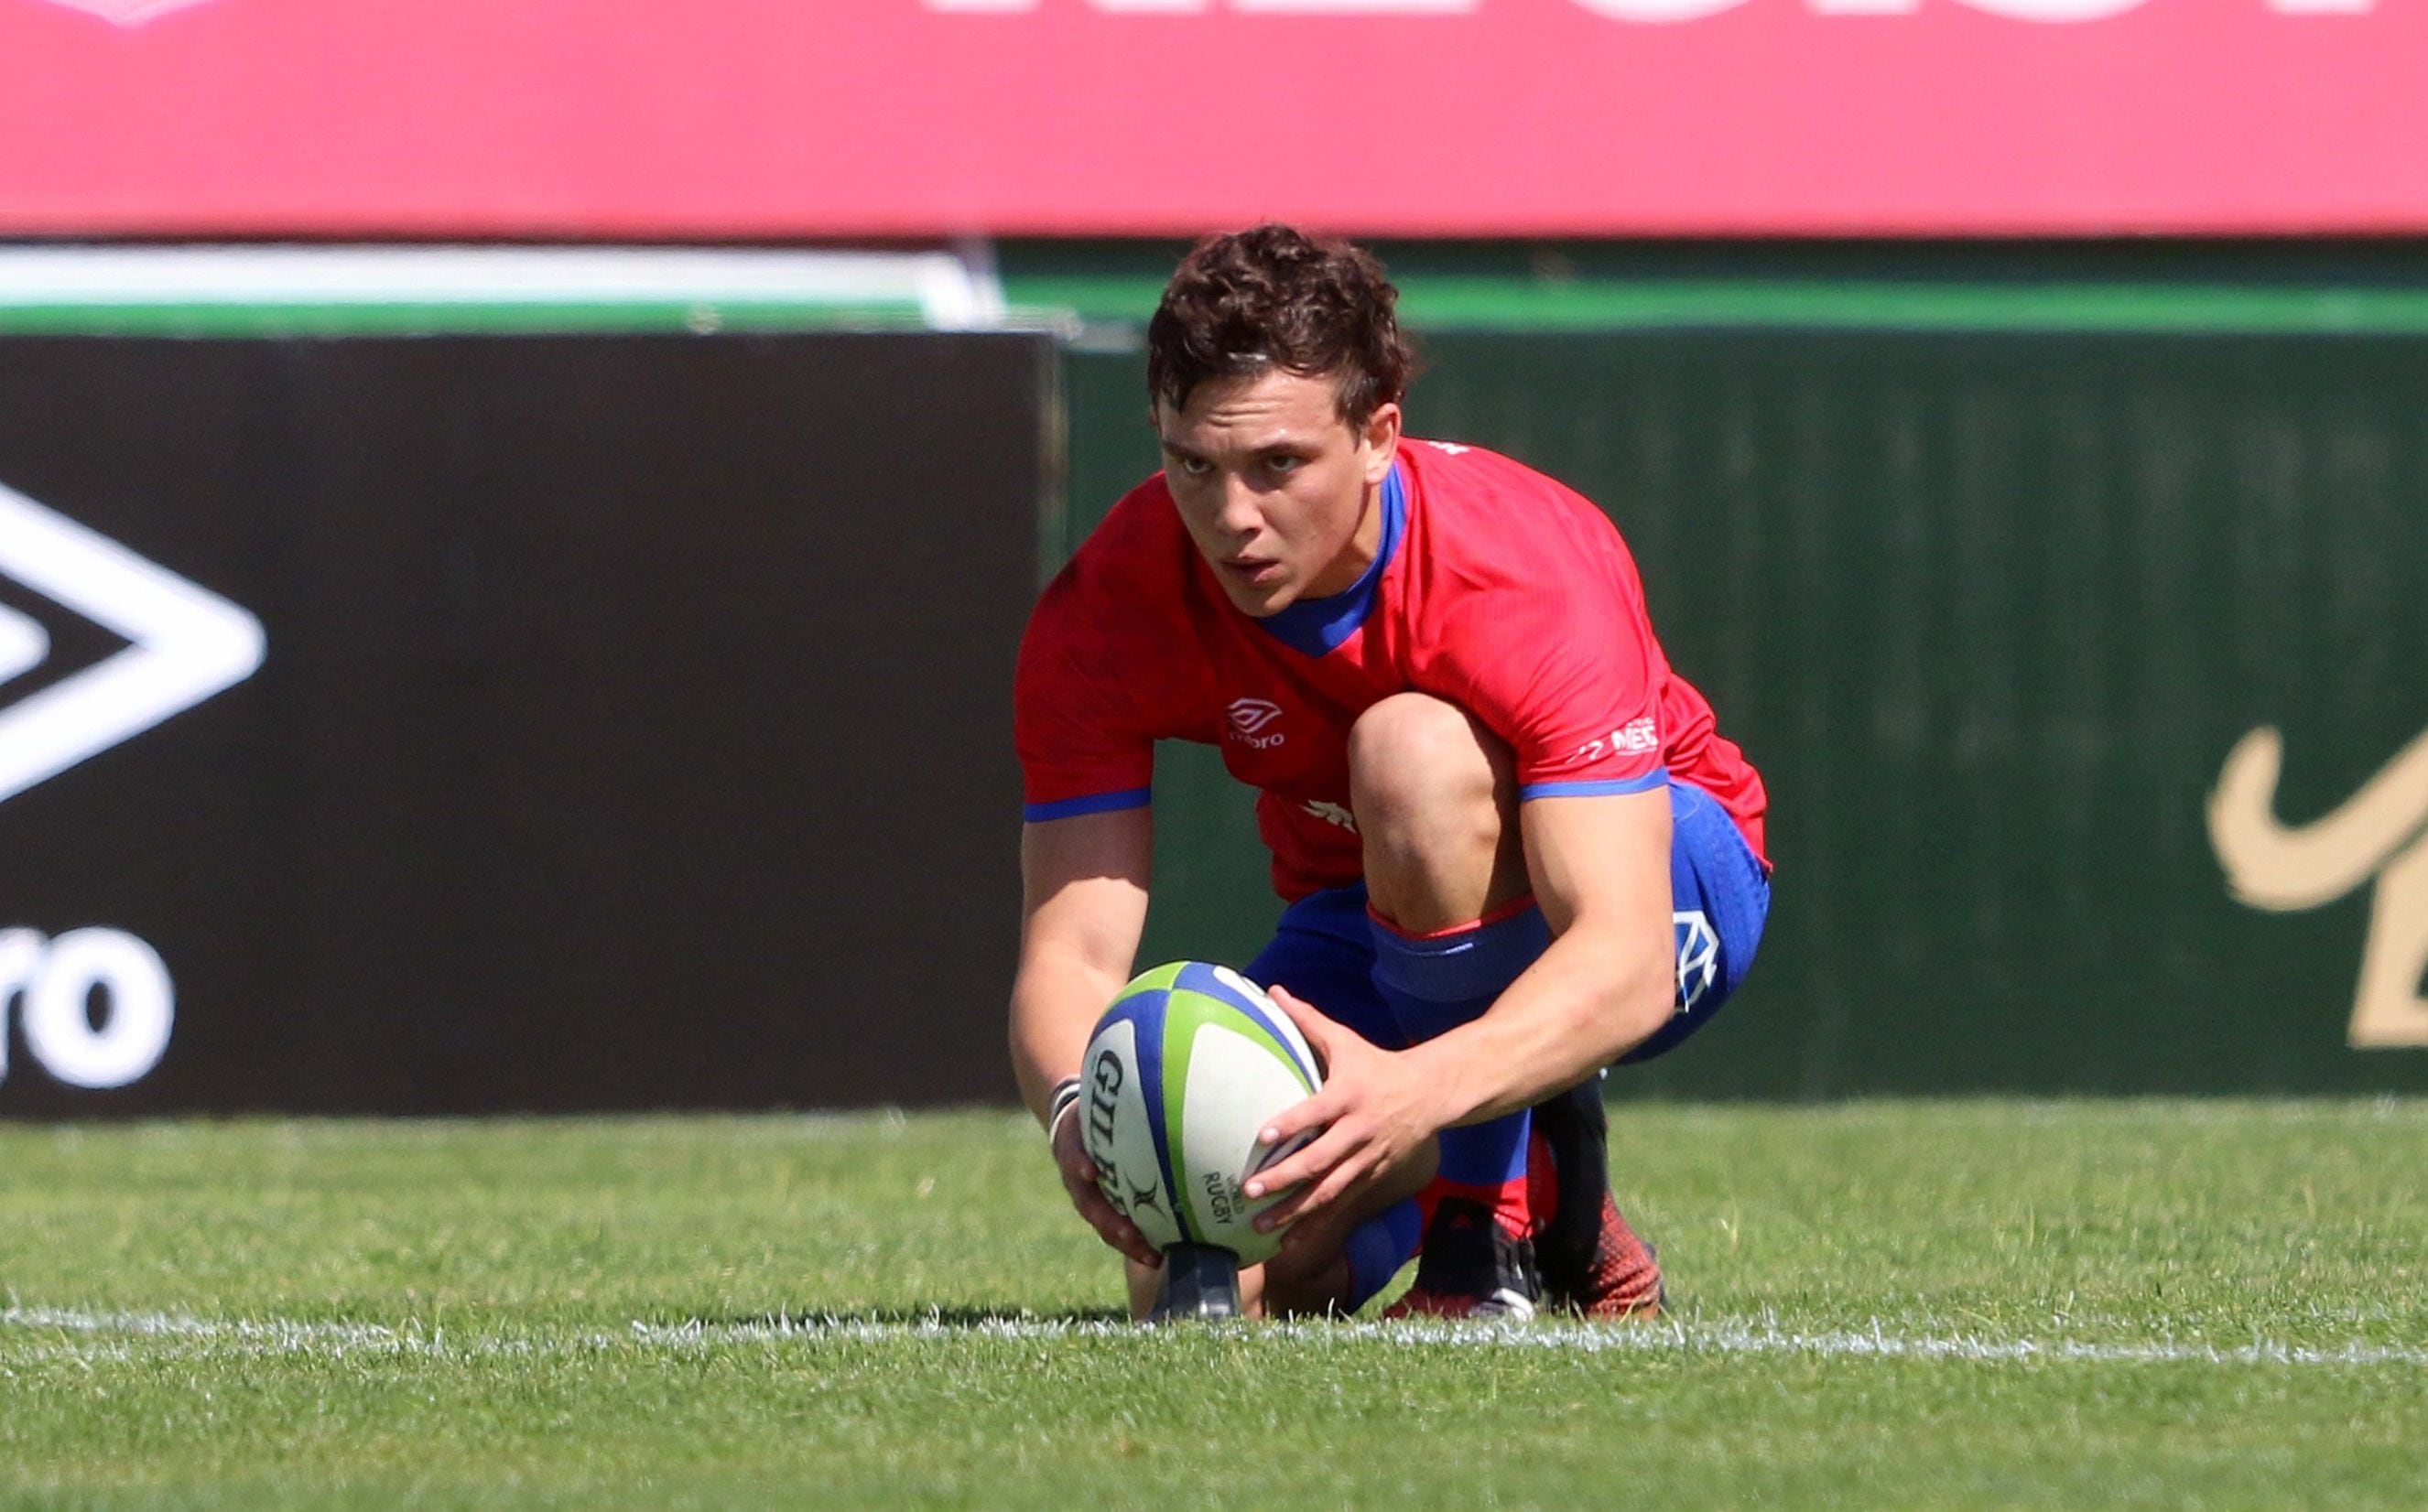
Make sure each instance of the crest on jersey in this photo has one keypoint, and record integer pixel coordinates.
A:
(1333, 814)
(1699, 956)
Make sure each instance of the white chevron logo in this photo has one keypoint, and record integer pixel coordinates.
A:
(185, 644)
(23, 643)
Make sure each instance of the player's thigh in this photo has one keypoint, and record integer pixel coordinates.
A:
(1720, 902)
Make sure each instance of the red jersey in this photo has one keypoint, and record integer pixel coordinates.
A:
(1493, 588)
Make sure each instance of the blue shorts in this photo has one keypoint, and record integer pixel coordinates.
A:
(1323, 948)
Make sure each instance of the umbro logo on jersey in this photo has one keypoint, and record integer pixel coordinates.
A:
(185, 643)
(1250, 718)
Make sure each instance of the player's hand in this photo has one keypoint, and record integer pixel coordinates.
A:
(1079, 1181)
(1380, 1111)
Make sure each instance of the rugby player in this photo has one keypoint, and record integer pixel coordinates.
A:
(1513, 848)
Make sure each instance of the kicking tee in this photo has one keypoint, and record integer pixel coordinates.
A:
(1494, 588)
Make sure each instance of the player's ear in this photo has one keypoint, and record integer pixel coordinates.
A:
(1380, 440)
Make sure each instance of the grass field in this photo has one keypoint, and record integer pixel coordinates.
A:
(1957, 1304)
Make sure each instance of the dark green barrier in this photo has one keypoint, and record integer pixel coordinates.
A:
(1990, 611)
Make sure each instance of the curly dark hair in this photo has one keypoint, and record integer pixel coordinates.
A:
(1275, 297)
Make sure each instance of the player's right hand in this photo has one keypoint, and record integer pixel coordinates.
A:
(1079, 1181)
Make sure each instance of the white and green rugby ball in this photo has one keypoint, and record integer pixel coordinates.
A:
(1186, 1068)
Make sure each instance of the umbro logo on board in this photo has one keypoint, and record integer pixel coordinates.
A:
(184, 644)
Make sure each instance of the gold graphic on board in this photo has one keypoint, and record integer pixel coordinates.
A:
(2380, 831)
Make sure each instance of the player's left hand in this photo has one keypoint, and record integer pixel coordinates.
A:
(1378, 1109)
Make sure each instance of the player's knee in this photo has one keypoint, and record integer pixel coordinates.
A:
(1307, 1282)
(1419, 760)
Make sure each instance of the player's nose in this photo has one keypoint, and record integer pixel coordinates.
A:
(1241, 514)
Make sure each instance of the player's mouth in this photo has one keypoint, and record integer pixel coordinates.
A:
(1256, 572)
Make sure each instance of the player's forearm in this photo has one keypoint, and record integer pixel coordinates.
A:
(1594, 995)
(1056, 1001)
(1083, 891)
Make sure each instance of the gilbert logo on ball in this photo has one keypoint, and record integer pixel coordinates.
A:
(1184, 1071)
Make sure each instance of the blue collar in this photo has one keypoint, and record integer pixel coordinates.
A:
(1313, 626)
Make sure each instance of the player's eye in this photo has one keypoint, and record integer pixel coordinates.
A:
(1193, 466)
(1284, 462)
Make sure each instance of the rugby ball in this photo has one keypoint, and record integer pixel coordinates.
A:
(1184, 1071)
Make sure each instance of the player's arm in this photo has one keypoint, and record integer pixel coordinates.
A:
(1083, 889)
(1599, 866)
(1083, 907)
(1600, 871)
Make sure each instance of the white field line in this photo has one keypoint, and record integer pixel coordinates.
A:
(336, 1339)
(268, 1336)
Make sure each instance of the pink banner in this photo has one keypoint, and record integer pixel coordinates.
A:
(923, 117)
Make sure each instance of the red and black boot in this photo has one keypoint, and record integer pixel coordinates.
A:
(1591, 1262)
(1470, 1267)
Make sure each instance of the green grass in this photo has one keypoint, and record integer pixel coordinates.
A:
(1874, 1303)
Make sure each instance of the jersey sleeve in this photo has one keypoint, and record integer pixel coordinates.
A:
(1561, 664)
(1084, 746)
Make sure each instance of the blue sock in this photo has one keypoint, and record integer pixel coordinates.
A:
(1378, 1247)
(1435, 983)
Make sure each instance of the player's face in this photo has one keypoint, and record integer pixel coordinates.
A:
(1280, 493)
